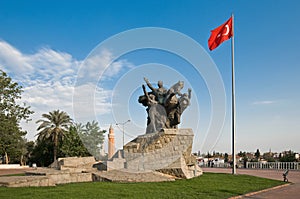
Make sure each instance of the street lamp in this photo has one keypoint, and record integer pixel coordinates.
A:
(123, 124)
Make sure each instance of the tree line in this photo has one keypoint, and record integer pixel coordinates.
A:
(58, 135)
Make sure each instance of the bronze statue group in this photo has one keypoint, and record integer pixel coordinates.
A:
(164, 106)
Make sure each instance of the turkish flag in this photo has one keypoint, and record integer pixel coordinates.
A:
(220, 34)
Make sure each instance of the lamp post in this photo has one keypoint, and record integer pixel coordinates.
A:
(123, 124)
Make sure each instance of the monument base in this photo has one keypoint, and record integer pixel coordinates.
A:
(168, 151)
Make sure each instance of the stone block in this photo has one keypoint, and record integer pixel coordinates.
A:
(168, 151)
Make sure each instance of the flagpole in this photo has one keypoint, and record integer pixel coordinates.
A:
(233, 99)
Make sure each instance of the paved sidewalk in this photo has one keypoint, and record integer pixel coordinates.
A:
(290, 192)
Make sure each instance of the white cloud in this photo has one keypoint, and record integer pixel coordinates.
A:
(264, 102)
(48, 78)
(46, 65)
(100, 65)
(10, 56)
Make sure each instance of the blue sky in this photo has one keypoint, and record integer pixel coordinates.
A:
(43, 44)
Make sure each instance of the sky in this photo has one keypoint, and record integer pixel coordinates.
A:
(89, 58)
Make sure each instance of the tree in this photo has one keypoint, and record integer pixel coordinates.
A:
(92, 138)
(244, 158)
(78, 140)
(257, 154)
(289, 156)
(268, 157)
(29, 146)
(12, 112)
(54, 126)
(226, 157)
(72, 144)
(208, 155)
(42, 152)
(242, 154)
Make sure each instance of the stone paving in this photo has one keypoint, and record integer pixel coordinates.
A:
(292, 191)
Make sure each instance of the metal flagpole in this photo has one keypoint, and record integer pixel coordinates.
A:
(233, 99)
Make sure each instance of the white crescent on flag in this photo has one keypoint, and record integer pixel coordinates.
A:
(227, 29)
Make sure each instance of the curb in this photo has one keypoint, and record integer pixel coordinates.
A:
(261, 191)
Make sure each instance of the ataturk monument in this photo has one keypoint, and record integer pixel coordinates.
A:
(164, 147)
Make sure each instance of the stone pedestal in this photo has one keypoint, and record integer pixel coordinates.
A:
(168, 151)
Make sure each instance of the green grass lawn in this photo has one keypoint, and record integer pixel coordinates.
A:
(209, 185)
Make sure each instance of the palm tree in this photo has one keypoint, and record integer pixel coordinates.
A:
(54, 125)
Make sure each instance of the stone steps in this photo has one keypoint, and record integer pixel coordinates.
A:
(131, 176)
(26, 181)
(46, 177)
(62, 176)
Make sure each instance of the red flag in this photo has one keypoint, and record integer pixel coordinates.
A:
(220, 34)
